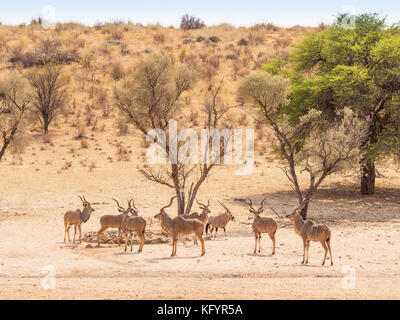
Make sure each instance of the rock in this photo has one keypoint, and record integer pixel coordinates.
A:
(89, 246)
(148, 50)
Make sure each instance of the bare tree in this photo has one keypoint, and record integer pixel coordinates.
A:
(15, 96)
(50, 93)
(151, 102)
(312, 145)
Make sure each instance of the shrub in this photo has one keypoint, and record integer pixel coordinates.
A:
(191, 23)
(47, 51)
(214, 39)
(117, 71)
(159, 37)
(243, 42)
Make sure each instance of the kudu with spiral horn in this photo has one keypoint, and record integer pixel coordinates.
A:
(219, 221)
(76, 218)
(114, 221)
(179, 226)
(262, 225)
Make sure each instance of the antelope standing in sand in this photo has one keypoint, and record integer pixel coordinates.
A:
(219, 221)
(203, 216)
(262, 225)
(311, 231)
(180, 226)
(76, 218)
(114, 221)
(130, 224)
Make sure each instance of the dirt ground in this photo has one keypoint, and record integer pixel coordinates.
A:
(365, 237)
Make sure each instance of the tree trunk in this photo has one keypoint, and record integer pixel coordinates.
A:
(368, 178)
(46, 127)
(304, 211)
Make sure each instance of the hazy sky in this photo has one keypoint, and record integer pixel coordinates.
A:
(239, 13)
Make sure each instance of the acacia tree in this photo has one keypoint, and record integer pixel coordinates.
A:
(356, 68)
(15, 96)
(312, 144)
(152, 100)
(50, 93)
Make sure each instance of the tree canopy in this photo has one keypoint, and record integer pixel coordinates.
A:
(356, 68)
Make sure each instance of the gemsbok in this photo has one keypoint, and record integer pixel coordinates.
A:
(311, 231)
(180, 226)
(114, 221)
(76, 218)
(262, 225)
(219, 221)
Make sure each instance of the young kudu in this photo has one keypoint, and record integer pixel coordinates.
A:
(311, 231)
(262, 225)
(76, 218)
(114, 221)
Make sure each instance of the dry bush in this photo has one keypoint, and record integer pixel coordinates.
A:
(159, 37)
(92, 166)
(122, 127)
(80, 131)
(122, 153)
(243, 120)
(48, 50)
(102, 101)
(124, 49)
(191, 23)
(281, 43)
(115, 31)
(214, 61)
(117, 71)
(84, 144)
(67, 165)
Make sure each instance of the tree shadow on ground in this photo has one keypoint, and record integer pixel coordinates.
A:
(336, 203)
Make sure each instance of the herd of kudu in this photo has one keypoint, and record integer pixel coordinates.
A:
(128, 221)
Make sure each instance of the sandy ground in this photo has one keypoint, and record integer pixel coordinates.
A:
(365, 237)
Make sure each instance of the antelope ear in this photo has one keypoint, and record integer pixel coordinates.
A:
(120, 210)
(261, 211)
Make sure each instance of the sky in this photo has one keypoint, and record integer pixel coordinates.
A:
(283, 13)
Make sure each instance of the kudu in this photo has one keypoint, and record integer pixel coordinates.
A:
(133, 223)
(76, 218)
(180, 226)
(203, 217)
(311, 231)
(219, 221)
(262, 225)
(114, 221)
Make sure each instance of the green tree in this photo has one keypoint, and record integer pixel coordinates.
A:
(356, 68)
